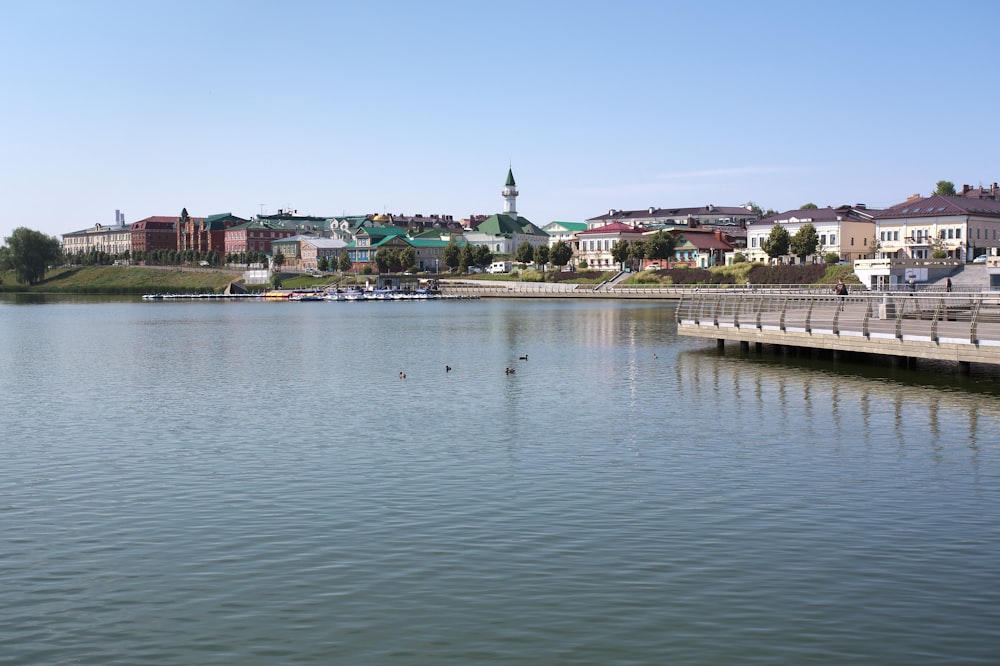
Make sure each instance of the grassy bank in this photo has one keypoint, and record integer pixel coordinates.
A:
(126, 280)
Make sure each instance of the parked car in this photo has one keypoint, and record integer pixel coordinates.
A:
(981, 259)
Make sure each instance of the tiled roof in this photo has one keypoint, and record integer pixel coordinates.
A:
(381, 232)
(569, 226)
(502, 224)
(708, 241)
(696, 211)
(828, 214)
(613, 228)
(937, 205)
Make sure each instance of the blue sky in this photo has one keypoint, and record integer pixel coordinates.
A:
(336, 108)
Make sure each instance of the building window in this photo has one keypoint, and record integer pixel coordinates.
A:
(895, 235)
(958, 233)
(833, 239)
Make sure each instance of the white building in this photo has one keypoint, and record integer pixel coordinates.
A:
(846, 231)
(961, 227)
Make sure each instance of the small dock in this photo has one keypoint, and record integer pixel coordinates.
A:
(964, 328)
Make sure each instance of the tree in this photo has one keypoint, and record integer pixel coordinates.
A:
(344, 263)
(938, 247)
(468, 257)
(876, 246)
(542, 255)
(384, 259)
(809, 206)
(804, 242)
(776, 243)
(525, 253)
(620, 251)
(323, 264)
(660, 245)
(452, 255)
(561, 253)
(29, 253)
(484, 257)
(407, 258)
(945, 188)
(278, 260)
(636, 252)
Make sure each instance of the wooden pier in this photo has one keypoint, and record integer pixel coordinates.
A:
(964, 328)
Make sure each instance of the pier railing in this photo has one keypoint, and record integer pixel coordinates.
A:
(935, 317)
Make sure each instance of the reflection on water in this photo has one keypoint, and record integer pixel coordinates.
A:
(253, 483)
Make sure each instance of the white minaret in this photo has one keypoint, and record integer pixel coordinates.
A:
(510, 195)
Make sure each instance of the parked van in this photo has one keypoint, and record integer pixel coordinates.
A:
(500, 267)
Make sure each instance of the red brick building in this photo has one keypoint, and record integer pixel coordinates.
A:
(158, 232)
(205, 234)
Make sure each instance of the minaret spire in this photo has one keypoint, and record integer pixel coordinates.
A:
(510, 194)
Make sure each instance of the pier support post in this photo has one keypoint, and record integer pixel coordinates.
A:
(964, 367)
(744, 347)
(758, 347)
(720, 345)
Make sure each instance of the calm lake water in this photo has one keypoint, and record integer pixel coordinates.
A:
(253, 483)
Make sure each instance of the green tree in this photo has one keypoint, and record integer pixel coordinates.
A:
(561, 253)
(344, 262)
(407, 258)
(636, 253)
(945, 188)
(542, 255)
(323, 264)
(776, 243)
(620, 252)
(484, 257)
(384, 259)
(876, 246)
(660, 245)
(29, 254)
(804, 242)
(468, 257)
(278, 260)
(938, 247)
(809, 206)
(452, 255)
(525, 253)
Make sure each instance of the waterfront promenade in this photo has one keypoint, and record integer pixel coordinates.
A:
(964, 328)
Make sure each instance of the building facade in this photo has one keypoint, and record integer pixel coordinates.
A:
(115, 239)
(206, 234)
(158, 232)
(961, 227)
(257, 235)
(701, 216)
(504, 232)
(847, 231)
(594, 245)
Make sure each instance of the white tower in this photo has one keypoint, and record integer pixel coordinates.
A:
(510, 195)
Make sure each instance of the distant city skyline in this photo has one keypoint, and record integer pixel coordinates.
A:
(351, 108)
